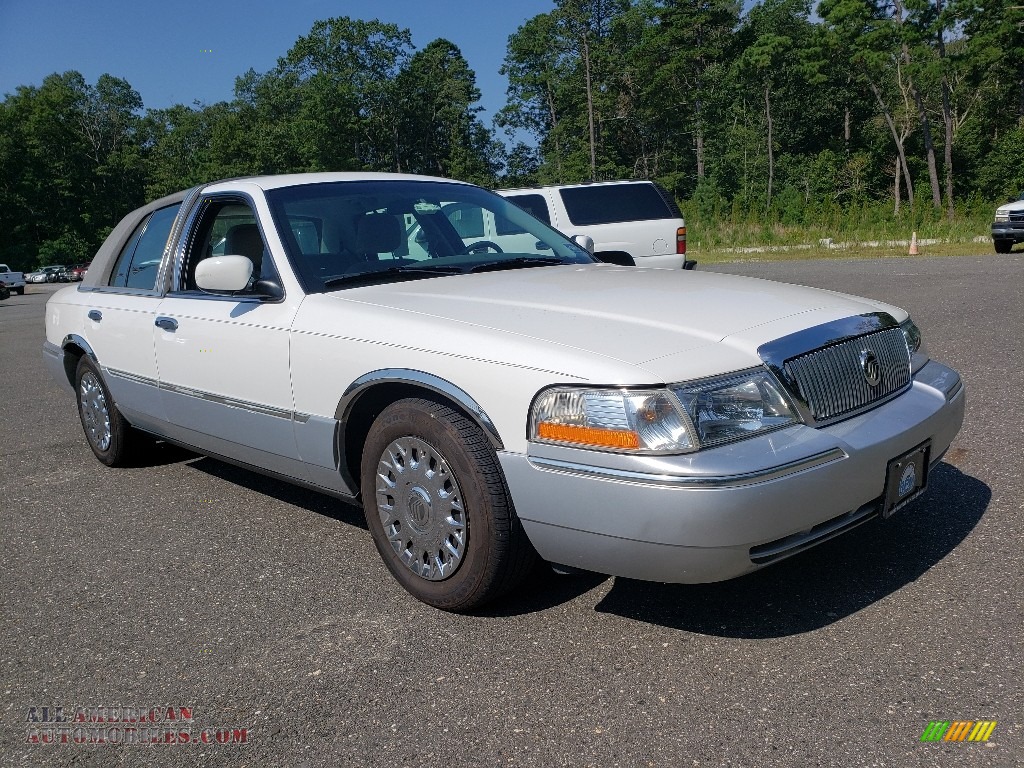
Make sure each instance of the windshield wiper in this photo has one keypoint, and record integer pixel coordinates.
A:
(518, 263)
(391, 274)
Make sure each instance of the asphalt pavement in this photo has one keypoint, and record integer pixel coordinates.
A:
(253, 606)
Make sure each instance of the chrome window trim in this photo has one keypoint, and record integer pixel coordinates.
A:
(423, 379)
(690, 481)
(775, 353)
(188, 206)
(120, 290)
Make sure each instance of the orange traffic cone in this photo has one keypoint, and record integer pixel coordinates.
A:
(913, 245)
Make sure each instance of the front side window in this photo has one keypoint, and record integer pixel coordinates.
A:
(138, 263)
(228, 227)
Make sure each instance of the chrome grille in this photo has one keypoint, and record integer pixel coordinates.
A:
(1016, 215)
(832, 380)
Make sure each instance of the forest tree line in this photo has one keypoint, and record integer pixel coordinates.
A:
(905, 109)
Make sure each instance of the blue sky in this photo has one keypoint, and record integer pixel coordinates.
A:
(160, 47)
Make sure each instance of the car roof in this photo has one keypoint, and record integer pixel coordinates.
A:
(297, 179)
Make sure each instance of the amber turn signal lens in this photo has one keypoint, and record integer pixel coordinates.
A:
(605, 438)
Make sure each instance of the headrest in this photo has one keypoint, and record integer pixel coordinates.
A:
(378, 233)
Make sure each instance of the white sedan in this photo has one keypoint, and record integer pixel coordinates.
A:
(492, 401)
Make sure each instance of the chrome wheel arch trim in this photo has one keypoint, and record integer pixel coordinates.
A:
(422, 379)
(74, 340)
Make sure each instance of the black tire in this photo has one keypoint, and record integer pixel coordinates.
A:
(20, 291)
(496, 553)
(125, 443)
(1003, 246)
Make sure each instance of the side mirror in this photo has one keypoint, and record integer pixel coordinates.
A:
(585, 242)
(224, 274)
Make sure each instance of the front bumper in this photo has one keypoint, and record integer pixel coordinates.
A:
(723, 512)
(1008, 230)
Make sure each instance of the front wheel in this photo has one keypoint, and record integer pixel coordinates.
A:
(1003, 246)
(438, 509)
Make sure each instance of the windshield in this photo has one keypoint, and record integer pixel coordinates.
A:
(338, 232)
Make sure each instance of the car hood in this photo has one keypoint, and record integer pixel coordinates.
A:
(1016, 205)
(636, 316)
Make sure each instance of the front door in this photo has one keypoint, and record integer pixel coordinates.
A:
(223, 360)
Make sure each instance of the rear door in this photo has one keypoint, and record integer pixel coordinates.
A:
(119, 318)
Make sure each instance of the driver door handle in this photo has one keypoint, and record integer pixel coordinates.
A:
(167, 323)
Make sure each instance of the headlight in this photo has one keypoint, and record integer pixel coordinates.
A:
(736, 406)
(918, 353)
(680, 419)
(1002, 216)
(632, 420)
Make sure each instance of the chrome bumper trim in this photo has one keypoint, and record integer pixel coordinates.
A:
(682, 481)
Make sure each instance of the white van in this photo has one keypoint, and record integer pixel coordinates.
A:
(631, 222)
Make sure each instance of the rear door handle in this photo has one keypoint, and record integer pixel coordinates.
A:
(167, 323)
(95, 315)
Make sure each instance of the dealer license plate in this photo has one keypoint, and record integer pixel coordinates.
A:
(906, 478)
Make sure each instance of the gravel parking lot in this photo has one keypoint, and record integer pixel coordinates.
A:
(191, 583)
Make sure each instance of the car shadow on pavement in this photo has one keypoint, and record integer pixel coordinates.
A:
(824, 584)
(310, 500)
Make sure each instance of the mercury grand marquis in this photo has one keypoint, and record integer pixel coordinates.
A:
(489, 392)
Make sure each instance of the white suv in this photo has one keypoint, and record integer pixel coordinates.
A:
(631, 222)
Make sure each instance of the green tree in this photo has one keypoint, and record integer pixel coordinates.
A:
(437, 129)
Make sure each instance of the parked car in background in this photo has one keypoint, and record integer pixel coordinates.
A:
(632, 223)
(490, 406)
(50, 274)
(1008, 227)
(73, 273)
(15, 281)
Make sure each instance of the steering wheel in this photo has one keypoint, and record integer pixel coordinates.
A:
(482, 245)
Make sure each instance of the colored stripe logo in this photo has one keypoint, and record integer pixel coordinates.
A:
(958, 730)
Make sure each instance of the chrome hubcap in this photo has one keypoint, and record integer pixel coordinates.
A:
(95, 416)
(420, 507)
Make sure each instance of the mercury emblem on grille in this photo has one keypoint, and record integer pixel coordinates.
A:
(872, 369)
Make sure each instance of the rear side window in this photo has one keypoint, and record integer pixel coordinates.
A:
(613, 203)
(139, 261)
(535, 205)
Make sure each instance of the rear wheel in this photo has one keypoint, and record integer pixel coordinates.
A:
(110, 436)
(438, 508)
(1003, 246)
